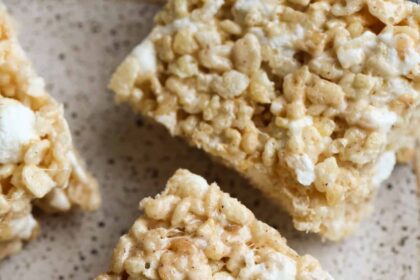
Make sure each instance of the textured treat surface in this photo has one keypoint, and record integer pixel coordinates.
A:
(38, 163)
(193, 230)
(309, 100)
(75, 46)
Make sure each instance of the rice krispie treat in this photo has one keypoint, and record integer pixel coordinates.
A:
(38, 164)
(193, 230)
(310, 100)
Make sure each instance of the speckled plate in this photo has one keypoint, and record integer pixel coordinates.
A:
(76, 45)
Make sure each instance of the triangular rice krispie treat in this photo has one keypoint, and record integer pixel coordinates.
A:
(193, 230)
(38, 163)
(310, 100)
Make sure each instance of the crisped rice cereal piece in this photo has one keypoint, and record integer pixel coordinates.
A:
(38, 163)
(310, 100)
(193, 230)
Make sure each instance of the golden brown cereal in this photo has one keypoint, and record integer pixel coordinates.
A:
(37, 158)
(310, 100)
(193, 230)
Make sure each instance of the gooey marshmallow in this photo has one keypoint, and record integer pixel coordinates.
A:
(17, 128)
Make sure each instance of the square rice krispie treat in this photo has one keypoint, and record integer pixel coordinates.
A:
(193, 230)
(38, 163)
(310, 100)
